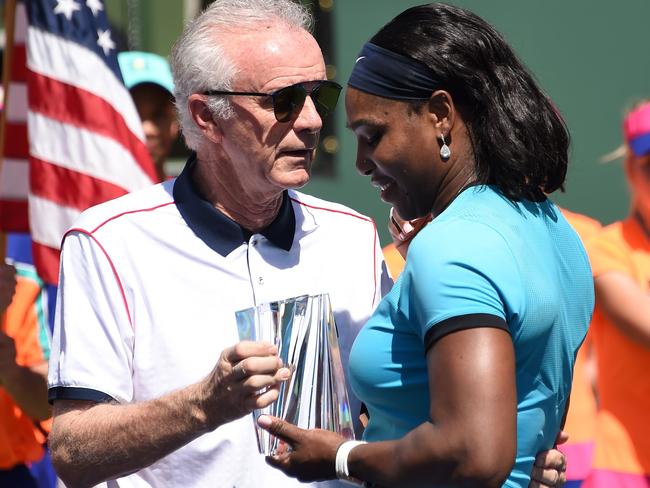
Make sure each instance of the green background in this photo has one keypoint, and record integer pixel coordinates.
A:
(590, 56)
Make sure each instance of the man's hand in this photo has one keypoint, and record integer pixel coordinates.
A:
(308, 455)
(550, 467)
(246, 377)
(7, 285)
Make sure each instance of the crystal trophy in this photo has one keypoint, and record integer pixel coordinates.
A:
(304, 331)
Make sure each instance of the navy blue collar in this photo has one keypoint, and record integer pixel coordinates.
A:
(220, 232)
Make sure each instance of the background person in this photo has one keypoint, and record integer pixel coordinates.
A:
(448, 122)
(149, 80)
(580, 426)
(147, 386)
(24, 347)
(620, 256)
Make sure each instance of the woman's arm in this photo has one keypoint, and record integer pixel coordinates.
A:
(471, 438)
(473, 430)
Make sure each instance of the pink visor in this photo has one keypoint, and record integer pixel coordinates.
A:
(636, 129)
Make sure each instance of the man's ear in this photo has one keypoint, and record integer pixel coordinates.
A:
(442, 112)
(202, 117)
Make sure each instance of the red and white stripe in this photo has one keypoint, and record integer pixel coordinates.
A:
(86, 143)
(14, 172)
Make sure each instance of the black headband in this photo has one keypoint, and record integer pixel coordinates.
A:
(387, 74)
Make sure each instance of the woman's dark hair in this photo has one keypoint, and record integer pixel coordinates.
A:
(519, 139)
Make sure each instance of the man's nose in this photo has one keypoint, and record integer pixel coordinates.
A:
(308, 118)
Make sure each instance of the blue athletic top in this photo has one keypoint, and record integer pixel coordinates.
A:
(520, 266)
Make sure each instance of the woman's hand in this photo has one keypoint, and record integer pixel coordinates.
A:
(308, 455)
(550, 466)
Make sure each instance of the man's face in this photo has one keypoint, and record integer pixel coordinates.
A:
(264, 156)
(158, 116)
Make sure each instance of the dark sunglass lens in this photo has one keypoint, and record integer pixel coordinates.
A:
(325, 97)
(287, 102)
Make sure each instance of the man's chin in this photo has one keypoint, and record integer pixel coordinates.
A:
(295, 179)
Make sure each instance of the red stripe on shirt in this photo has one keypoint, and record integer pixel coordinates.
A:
(350, 214)
(129, 212)
(110, 262)
(374, 240)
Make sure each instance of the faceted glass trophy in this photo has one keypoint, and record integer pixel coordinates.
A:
(304, 331)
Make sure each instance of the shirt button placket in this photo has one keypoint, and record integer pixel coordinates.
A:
(259, 279)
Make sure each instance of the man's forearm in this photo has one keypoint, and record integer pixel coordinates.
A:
(92, 443)
(107, 441)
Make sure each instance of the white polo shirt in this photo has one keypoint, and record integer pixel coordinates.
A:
(149, 287)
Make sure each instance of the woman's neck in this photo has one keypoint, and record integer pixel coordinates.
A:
(460, 175)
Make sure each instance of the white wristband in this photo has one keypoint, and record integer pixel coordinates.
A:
(341, 463)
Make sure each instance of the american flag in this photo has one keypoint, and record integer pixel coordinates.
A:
(73, 138)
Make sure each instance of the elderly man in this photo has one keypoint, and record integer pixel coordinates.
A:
(148, 383)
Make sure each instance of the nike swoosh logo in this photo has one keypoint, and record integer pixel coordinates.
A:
(359, 59)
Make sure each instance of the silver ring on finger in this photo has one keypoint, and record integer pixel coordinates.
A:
(242, 370)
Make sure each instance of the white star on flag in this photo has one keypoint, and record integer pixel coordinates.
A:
(95, 6)
(66, 7)
(104, 41)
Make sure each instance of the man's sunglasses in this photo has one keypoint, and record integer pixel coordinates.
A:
(288, 101)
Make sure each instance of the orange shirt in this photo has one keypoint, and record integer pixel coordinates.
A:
(20, 440)
(394, 260)
(580, 423)
(622, 429)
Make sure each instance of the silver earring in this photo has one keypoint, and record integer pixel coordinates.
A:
(445, 152)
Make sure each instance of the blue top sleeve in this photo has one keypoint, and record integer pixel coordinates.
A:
(472, 272)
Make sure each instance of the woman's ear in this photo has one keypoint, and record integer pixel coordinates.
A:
(202, 117)
(442, 115)
(442, 112)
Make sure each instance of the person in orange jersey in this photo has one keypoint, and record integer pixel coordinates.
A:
(620, 256)
(23, 375)
(581, 418)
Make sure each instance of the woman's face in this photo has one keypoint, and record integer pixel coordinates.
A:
(397, 149)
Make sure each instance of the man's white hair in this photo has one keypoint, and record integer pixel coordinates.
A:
(198, 61)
